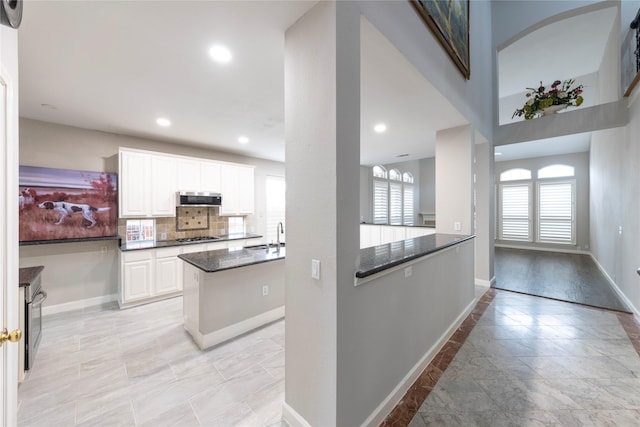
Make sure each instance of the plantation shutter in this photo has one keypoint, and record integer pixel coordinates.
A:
(556, 212)
(395, 203)
(380, 201)
(515, 212)
(408, 205)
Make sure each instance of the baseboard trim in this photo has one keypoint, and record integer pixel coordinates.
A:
(292, 417)
(48, 310)
(615, 287)
(527, 248)
(205, 341)
(390, 402)
(485, 283)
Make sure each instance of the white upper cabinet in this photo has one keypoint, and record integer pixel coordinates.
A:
(188, 175)
(163, 184)
(210, 177)
(134, 176)
(148, 183)
(237, 188)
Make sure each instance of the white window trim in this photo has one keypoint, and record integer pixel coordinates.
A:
(572, 182)
(530, 212)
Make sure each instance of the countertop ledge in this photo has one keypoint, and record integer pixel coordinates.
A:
(383, 257)
(226, 259)
(169, 243)
(27, 275)
(79, 240)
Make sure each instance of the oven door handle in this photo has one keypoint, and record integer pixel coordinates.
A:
(38, 301)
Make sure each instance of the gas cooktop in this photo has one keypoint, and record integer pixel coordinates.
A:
(197, 239)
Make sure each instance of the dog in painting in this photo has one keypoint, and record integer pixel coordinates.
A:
(65, 209)
(26, 197)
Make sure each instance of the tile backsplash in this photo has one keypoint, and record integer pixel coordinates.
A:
(218, 225)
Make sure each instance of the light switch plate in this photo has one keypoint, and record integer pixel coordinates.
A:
(315, 269)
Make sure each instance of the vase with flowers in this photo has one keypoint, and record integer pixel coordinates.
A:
(560, 95)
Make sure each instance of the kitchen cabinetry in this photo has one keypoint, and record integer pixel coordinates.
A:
(134, 178)
(163, 180)
(148, 182)
(237, 188)
(373, 235)
(149, 275)
(168, 271)
(136, 276)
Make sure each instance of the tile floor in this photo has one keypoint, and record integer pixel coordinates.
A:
(518, 360)
(139, 367)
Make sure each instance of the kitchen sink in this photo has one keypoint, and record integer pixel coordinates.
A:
(264, 246)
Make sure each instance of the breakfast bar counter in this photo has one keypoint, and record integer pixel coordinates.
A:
(228, 292)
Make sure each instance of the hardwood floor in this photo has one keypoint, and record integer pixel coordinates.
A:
(563, 276)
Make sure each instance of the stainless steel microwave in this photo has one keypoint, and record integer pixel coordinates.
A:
(198, 198)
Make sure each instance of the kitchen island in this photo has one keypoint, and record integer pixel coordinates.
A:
(228, 292)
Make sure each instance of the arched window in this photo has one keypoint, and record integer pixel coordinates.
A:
(556, 171)
(380, 195)
(407, 199)
(515, 174)
(393, 196)
(379, 172)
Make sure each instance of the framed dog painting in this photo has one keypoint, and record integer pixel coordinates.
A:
(62, 204)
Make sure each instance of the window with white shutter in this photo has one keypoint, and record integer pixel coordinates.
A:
(275, 194)
(380, 201)
(395, 203)
(515, 212)
(407, 211)
(556, 212)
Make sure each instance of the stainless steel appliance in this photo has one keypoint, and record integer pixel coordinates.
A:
(201, 239)
(34, 296)
(198, 198)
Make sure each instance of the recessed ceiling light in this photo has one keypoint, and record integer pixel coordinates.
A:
(163, 122)
(220, 54)
(243, 140)
(380, 127)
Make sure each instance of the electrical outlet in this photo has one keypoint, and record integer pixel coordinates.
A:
(222, 230)
(163, 236)
(408, 271)
(103, 249)
(265, 290)
(457, 226)
(620, 230)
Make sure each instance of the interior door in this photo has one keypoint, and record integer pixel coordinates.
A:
(8, 221)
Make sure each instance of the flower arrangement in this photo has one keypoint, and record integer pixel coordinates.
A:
(560, 93)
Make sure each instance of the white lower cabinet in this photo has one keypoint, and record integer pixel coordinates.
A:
(168, 271)
(149, 275)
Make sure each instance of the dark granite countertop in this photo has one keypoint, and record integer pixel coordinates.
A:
(399, 225)
(84, 239)
(169, 243)
(382, 257)
(226, 259)
(27, 275)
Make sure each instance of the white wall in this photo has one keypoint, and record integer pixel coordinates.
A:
(615, 202)
(58, 146)
(312, 152)
(485, 212)
(428, 185)
(454, 180)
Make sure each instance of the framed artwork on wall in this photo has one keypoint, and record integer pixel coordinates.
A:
(448, 20)
(62, 204)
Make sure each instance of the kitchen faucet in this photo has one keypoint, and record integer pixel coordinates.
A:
(279, 229)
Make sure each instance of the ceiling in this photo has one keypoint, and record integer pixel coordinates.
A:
(118, 66)
(565, 49)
